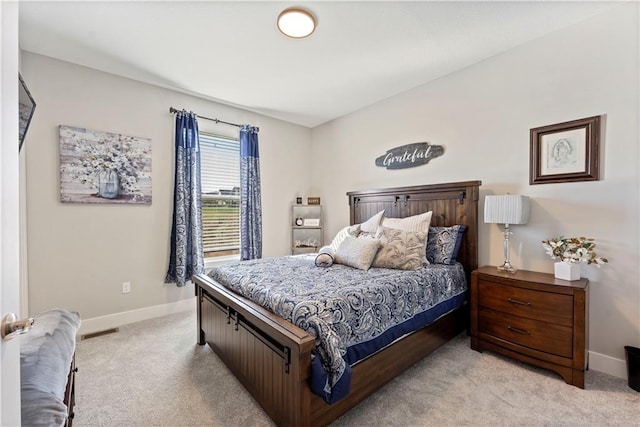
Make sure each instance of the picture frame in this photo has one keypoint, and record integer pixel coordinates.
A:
(565, 152)
(311, 222)
(104, 167)
(313, 200)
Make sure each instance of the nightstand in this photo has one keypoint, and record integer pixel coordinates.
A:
(532, 317)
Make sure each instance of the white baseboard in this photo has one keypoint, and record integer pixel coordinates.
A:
(608, 365)
(102, 323)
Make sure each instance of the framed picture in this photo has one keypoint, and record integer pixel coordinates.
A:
(311, 222)
(104, 167)
(313, 200)
(565, 152)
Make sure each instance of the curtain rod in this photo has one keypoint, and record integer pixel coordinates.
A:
(173, 110)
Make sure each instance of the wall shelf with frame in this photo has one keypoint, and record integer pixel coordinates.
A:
(306, 229)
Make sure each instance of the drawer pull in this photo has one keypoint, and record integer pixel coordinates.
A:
(515, 301)
(518, 331)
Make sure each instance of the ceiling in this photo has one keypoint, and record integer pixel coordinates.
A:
(232, 52)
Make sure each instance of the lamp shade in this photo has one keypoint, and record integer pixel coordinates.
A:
(506, 209)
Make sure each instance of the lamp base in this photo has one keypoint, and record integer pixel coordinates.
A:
(507, 267)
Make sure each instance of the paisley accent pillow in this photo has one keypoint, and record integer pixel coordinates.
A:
(357, 252)
(403, 250)
(351, 230)
(444, 244)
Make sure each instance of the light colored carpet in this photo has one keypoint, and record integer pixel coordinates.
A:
(153, 373)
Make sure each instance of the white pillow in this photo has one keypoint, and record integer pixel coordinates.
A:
(411, 223)
(357, 252)
(371, 225)
(350, 230)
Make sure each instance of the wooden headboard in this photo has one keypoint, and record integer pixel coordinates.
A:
(451, 204)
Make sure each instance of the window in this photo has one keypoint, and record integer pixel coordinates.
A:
(220, 176)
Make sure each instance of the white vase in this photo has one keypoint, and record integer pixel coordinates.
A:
(567, 270)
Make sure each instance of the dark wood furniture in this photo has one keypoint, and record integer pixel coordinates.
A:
(70, 392)
(532, 317)
(272, 357)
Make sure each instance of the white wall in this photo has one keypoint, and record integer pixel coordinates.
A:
(482, 116)
(79, 254)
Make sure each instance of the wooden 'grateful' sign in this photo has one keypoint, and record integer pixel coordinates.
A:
(410, 155)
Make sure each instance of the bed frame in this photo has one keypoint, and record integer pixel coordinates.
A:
(272, 357)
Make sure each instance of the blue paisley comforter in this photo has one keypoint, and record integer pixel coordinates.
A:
(342, 307)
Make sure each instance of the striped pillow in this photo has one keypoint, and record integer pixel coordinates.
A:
(350, 230)
(411, 223)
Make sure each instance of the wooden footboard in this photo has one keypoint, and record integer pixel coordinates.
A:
(272, 357)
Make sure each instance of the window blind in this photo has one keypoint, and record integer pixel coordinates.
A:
(220, 178)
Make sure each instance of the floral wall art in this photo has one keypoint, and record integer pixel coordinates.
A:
(104, 167)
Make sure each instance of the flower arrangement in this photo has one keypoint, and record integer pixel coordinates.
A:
(573, 249)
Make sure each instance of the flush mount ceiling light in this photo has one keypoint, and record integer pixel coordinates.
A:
(296, 23)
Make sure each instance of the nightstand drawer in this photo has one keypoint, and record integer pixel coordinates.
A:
(535, 334)
(545, 306)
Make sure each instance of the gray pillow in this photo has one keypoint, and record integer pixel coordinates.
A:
(444, 244)
(357, 252)
(399, 249)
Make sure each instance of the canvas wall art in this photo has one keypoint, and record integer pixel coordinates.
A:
(104, 167)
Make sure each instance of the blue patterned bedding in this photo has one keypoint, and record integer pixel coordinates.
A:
(347, 310)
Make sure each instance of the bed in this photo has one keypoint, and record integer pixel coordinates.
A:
(272, 357)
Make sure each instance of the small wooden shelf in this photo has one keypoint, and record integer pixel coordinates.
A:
(306, 238)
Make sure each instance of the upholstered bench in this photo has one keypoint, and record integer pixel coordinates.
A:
(47, 362)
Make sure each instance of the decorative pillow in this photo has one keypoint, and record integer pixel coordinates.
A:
(444, 243)
(371, 225)
(403, 250)
(325, 257)
(357, 252)
(411, 223)
(418, 222)
(351, 230)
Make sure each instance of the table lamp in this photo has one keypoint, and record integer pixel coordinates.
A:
(506, 209)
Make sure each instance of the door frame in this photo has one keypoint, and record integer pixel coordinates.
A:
(9, 211)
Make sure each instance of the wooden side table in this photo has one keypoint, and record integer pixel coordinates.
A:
(532, 317)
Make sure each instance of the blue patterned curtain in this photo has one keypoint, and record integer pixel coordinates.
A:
(250, 197)
(186, 233)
